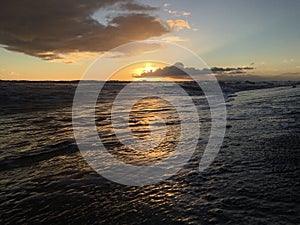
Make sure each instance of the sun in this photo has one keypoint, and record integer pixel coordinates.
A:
(146, 68)
(134, 72)
(150, 69)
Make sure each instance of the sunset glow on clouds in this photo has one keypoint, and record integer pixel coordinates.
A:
(56, 31)
(179, 24)
(61, 39)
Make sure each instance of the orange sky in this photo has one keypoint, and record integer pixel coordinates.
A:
(63, 46)
(130, 72)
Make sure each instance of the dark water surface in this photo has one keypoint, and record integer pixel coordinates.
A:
(253, 180)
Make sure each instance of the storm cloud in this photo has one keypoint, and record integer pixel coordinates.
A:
(51, 28)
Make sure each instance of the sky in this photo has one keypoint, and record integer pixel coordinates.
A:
(60, 40)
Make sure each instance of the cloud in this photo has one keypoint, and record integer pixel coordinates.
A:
(176, 71)
(231, 70)
(179, 24)
(70, 58)
(131, 6)
(186, 13)
(174, 12)
(52, 29)
(179, 71)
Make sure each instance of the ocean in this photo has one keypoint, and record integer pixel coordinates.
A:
(253, 180)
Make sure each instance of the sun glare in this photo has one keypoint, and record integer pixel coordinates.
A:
(148, 67)
(135, 72)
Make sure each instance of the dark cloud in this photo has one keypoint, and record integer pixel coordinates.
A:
(49, 28)
(131, 6)
(230, 70)
(178, 71)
